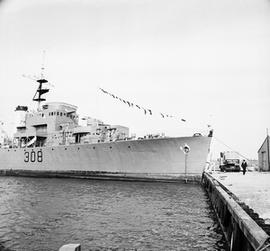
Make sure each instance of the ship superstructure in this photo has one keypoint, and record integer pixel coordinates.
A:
(57, 123)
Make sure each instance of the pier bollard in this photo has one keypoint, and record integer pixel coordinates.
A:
(71, 247)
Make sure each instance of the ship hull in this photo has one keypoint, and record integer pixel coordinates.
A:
(147, 160)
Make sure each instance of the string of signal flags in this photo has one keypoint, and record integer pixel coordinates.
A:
(145, 110)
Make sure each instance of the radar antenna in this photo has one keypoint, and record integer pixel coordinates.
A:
(40, 80)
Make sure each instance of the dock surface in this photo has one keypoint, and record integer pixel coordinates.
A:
(253, 189)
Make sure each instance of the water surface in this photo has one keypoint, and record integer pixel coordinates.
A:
(44, 214)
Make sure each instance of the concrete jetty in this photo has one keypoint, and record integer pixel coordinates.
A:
(242, 206)
(253, 189)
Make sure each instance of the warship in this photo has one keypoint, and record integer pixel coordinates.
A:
(50, 142)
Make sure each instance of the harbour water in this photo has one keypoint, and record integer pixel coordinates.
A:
(43, 214)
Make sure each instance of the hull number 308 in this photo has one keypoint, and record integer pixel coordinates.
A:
(33, 156)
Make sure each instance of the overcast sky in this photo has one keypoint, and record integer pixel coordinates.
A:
(205, 61)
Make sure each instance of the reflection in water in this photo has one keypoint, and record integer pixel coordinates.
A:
(44, 214)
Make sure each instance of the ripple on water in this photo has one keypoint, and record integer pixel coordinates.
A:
(44, 214)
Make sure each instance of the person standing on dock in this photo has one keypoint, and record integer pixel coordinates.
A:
(244, 166)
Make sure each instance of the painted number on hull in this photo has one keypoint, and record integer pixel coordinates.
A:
(33, 156)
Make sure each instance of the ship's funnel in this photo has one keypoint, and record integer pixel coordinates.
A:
(20, 117)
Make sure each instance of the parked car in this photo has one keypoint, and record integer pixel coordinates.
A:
(229, 162)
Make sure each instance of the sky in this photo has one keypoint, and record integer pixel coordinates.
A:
(205, 61)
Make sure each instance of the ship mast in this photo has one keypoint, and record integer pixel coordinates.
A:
(41, 90)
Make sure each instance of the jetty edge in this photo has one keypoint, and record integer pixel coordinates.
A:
(241, 231)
